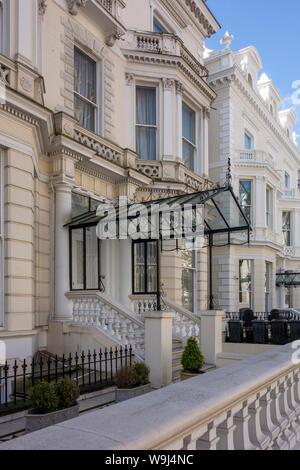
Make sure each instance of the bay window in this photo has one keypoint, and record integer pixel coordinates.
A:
(84, 258)
(245, 282)
(145, 267)
(146, 123)
(245, 191)
(287, 228)
(188, 137)
(85, 104)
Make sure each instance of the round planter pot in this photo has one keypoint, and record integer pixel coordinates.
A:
(34, 422)
(123, 394)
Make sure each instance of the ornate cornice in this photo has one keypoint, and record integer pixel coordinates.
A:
(74, 5)
(200, 17)
(138, 57)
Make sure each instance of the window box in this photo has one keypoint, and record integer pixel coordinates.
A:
(35, 422)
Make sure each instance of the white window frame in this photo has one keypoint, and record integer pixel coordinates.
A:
(2, 313)
(193, 144)
(99, 105)
(194, 270)
(140, 84)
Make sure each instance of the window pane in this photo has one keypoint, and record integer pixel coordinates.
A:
(286, 228)
(77, 259)
(157, 27)
(245, 277)
(85, 76)
(84, 112)
(91, 258)
(139, 267)
(188, 153)
(80, 204)
(188, 289)
(188, 123)
(246, 198)
(146, 143)
(146, 106)
(247, 142)
(151, 267)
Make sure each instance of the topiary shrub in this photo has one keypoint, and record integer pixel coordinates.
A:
(192, 359)
(67, 392)
(142, 373)
(126, 377)
(43, 398)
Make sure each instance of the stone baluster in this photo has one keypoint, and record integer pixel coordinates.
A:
(241, 433)
(110, 317)
(256, 434)
(225, 433)
(131, 334)
(117, 326)
(124, 330)
(103, 316)
(280, 441)
(76, 307)
(137, 339)
(286, 413)
(267, 425)
(209, 440)
(86, 312)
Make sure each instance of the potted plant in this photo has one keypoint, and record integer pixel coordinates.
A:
(192, 359)
(51, 404)
(132, 381)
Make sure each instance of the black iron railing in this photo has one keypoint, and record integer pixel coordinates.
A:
(91, 371)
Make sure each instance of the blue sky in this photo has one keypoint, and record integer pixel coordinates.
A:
(273, 27)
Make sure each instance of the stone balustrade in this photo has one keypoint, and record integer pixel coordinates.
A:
(185, 324)
(253, 404)
(165, 44)
(114, 320)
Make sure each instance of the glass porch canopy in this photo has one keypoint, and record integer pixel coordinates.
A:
(288, 279)
(222, 214)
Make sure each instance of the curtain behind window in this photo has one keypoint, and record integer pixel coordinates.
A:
(146, 116)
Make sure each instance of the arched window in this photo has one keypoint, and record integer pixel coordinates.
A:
(250, 80)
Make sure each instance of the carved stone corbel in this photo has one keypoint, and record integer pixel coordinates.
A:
(74, 5)
(111, 39)
(42, 7)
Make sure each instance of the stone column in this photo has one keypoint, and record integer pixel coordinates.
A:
(179, 91)
(211, 334)
(158, 347)
(281, 296)
(168, 119)
(63, 212)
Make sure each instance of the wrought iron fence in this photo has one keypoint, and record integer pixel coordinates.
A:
(91, 371)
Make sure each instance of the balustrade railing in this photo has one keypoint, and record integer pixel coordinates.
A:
(122, 325)
(252, 404)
